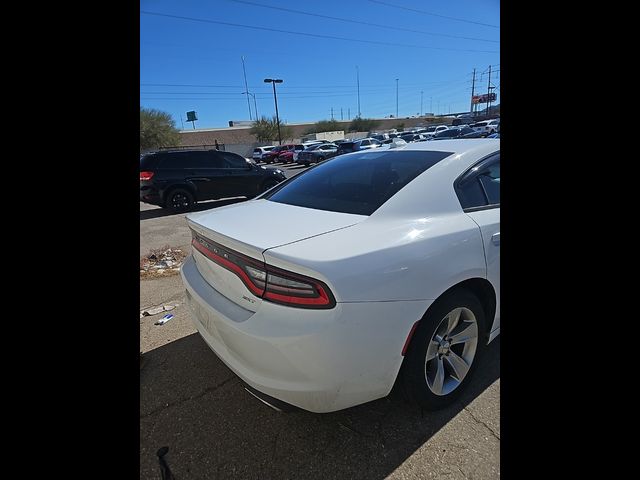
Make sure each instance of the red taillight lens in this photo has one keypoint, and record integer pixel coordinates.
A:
(146, 176)
(267, 282)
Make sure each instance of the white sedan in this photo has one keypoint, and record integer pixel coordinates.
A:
(371, 268)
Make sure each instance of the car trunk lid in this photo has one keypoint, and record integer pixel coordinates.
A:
(243, 231)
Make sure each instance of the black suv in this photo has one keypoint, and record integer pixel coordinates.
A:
(178, 179)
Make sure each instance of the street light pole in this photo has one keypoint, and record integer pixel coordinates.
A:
(421, 92)
(358, 80)
(396, 98)
(273, 81)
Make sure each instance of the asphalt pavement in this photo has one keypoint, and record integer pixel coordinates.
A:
(192, 403)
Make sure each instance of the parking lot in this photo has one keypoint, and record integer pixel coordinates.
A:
(192, 403)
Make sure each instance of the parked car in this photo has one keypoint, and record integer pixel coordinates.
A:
(272, 156)
(457, 132)
(178, 179)
(357, 145)
(317, 153)
(381, 137)
(373, 268)
(259, 152)
(433, 129)
(287, 154)
(413, 137)
(487, 127)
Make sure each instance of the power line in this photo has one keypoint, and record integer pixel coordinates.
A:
(300, 12)
(433, 14)
(253, 27)
(439, 82)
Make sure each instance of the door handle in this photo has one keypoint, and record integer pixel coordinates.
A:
(495, 238)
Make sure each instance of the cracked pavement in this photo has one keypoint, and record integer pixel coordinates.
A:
(192, 403)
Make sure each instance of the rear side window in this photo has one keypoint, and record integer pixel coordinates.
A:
(358, 183)
(480, 187)
(257, 150)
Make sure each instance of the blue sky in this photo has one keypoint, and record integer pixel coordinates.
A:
(196, 64)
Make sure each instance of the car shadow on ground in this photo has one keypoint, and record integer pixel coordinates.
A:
(199, 207)
(192, 403)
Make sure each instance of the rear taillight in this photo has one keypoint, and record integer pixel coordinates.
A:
(146, 176)
(267, 282)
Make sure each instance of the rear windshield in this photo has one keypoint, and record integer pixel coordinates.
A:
(359, 183)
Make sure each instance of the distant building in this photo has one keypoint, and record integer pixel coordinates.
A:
(241, 123)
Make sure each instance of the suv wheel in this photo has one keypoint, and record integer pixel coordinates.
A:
(180, 200)
(444, 350)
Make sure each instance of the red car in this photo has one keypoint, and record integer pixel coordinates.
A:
(286, 155)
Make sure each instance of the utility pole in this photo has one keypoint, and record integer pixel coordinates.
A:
(349, 113)
(358, 80)
(341, 117)
(396, 98)
(421, 92)
(181, 122)
(489, 91)
(246, 89)
(431, 105)
(331, 113)
(473, 91)
(438, 107)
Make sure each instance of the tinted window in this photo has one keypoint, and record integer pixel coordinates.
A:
(358, 183)
(257, 150)
(148, 162)
(364, 143)
(233, 160)
(192, 159)
(299, 147)
(490, 181)
(452, 132)
(481, 188)
(347, 146)
(467, 130)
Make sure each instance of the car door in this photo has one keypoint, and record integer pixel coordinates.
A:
(205, 173)
(240, 177)
(479, 194)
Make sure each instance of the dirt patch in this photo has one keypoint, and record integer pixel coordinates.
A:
(162, 262)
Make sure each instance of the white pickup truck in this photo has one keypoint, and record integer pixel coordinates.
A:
(487, 127)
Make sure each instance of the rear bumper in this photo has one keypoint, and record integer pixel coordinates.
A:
(150, 195)
(317, 360)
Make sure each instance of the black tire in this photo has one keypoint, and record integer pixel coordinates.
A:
(268, 184)
(179, 200)
(414, 369)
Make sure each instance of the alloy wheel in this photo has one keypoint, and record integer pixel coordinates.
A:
(451, 351)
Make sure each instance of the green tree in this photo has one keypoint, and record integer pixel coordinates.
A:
(266, 130)
(363, 124)
(157, 129)
(324, 126)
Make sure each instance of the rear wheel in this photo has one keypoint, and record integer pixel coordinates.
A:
(180, 200)
(444, 350)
